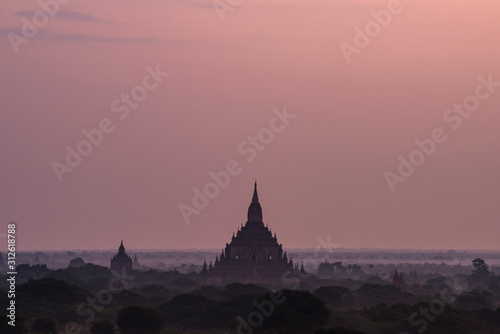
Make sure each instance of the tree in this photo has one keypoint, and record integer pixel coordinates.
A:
(76, 263)
(102, 327)
(295, 312)
(480, 268)
(337, 330)
(336, 297)
(234, 289)
(326, 269)
(44, 325)
(356, 270)
(19, 328)
(339, 268)
(380, 312)
(139, 320)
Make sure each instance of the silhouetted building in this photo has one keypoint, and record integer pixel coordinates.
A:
(121, 261)
(253, 255)
(399, 281)
(135, 263)
(402, 282)
(302, 270)
(395, 279)
(204, 271)
(415, 279)
(414, 284)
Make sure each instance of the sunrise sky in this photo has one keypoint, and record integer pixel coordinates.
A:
(321, 175)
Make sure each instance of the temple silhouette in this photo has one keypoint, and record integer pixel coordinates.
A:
(121, 261)
(253, 255)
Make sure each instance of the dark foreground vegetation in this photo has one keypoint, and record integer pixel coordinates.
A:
(92, 299)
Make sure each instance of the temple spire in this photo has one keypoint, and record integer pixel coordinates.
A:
(254, 210)
(255, 198)
(121, 249)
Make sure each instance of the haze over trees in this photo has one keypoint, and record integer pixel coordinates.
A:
(338, 297)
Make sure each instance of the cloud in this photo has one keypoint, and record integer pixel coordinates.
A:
(50, 35)
(67, 15)
(77, 37)
(5, 31)
(75, 16)
(204, 5)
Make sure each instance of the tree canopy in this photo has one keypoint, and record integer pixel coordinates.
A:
(139, 320)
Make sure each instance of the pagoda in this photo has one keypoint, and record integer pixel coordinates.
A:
(399, 281)
(253, 255)
(121, 261)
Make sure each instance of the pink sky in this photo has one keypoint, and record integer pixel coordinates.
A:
(322, 175)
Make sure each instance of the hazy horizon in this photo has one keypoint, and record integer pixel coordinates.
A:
(321, 170)
(287, 249)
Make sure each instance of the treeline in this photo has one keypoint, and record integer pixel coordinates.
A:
(92, 299)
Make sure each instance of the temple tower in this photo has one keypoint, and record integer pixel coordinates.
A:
(253, 254)
(121, 261)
